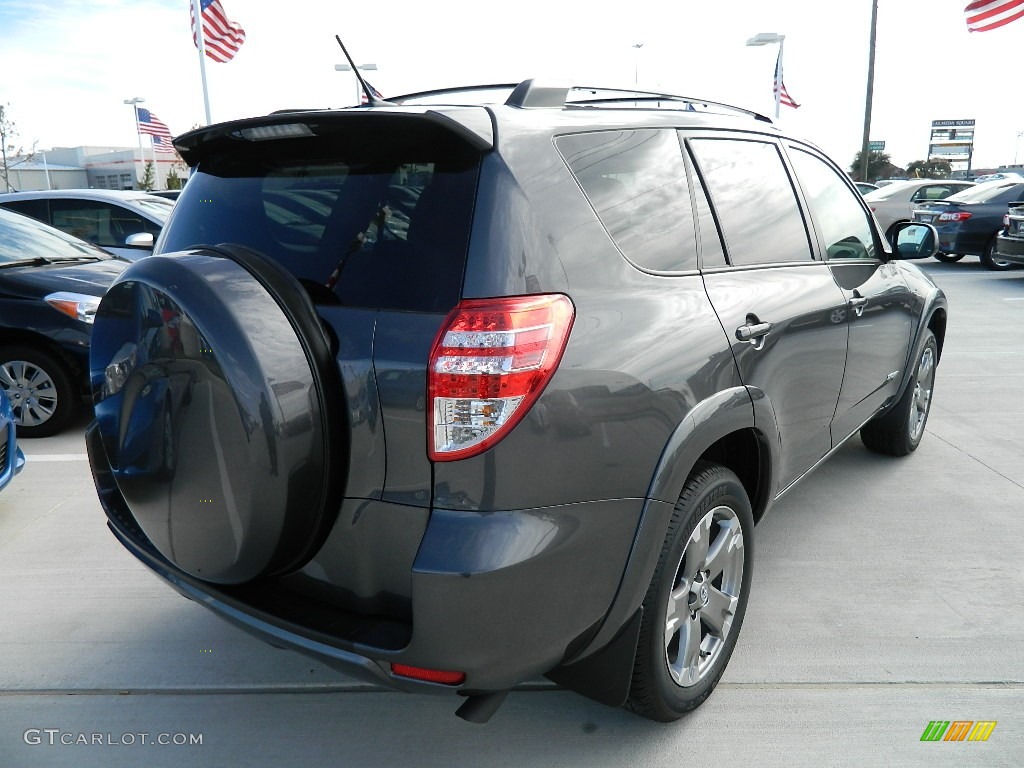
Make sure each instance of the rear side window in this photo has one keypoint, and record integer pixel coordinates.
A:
(636, 181)
(369, 221)
(754, 199)
(37, 209)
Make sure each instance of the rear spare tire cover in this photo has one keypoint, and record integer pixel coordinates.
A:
(217, 399)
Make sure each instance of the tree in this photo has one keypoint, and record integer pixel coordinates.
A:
(173, 179)
(10, 155)
(929, 169)
(877, 163)
(148, 175)
(879, 167)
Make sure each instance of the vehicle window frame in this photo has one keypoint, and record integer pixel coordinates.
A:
(687, 136)
(684, 269)
(881, 246)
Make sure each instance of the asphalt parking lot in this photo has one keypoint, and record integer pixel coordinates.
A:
(888, 593)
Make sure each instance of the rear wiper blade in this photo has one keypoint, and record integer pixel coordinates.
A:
(38, 261)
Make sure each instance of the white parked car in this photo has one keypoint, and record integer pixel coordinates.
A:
(126, 223)
(896, 201)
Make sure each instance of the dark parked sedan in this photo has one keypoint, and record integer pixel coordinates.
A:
(50, 286)
(969, 221)
(1010, 242)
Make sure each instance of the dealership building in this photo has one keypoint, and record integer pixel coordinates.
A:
(92, 167)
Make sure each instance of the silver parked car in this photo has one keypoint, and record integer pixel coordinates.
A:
(124, 222)
(896, 201)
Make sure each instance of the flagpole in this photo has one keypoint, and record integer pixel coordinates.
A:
(870, 92)
(778, 85)
(201, 45)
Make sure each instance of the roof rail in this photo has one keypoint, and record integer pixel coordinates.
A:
(620, 96)
(459, 89)
(532, 94)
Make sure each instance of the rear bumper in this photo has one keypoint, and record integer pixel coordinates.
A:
(1010, 249)
(501, 596)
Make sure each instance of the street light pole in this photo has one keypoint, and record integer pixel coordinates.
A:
(361, 68)
(636, 64)
(870, 93)
(767, 38)
(135, 114)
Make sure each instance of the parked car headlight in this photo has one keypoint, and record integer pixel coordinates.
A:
(79, 306)
(119, 369)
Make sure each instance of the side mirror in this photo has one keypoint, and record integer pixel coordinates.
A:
(912, 240)
(139, 240)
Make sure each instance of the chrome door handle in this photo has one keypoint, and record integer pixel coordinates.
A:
(857, 304)
(754, 333)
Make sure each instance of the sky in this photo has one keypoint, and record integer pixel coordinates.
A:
(69, 65)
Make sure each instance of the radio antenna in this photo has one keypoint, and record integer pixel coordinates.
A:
(372, 100)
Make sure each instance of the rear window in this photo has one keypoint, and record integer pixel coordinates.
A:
(983, 193)
(359, 220)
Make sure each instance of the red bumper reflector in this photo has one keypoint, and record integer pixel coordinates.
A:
(430, 675)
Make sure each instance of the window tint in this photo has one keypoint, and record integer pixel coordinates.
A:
(754, 199)
(37, 209)
(936, 191)
(841, 221)
(636, 181)
(361, 220)
(100, 223)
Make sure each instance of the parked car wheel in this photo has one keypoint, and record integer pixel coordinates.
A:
(40, 389)
(899, 431)
(695, 604)
(989, 259)
(949, 257)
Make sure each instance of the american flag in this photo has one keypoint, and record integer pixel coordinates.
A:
(983, 15)
(780, 87)
(221, 37)
(376, 93)
(152, 125)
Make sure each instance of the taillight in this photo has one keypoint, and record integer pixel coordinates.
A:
(955, 216)
(490, 362)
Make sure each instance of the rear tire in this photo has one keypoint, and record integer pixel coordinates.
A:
(40, 388)
(898, 432)
(695, 604)
(948, 258)
(988, 258)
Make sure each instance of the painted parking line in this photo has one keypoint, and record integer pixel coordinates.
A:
(34, 457)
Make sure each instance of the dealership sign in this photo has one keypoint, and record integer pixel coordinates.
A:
(952, 140)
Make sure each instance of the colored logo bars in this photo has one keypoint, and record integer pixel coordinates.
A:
(958, 730)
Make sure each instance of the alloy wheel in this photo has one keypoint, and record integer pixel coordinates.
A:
(704, 598)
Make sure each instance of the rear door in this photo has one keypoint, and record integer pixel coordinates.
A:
(881, 310)
(780, 307)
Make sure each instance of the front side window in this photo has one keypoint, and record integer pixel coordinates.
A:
(841, 220)
(754, 199)
(104, 224)
(636, 181)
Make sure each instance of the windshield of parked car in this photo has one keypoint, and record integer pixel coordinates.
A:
(982, 193)
(158, 207)
(25, 239)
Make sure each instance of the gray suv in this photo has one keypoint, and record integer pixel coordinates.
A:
(453, 395)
